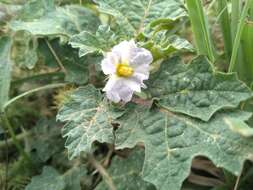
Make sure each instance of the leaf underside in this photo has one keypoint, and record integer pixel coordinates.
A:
(89, 119)
(88, 42)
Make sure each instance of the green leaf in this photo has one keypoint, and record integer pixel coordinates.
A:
(89, 118)
(74, 177)
(62, 22)
(50, 179)
(34, 9)
(45, 140)
(8, 11)
(126, 173)
(5, 70)
(172, 140)
(196, 89)
(239, 126)
(133, 17)
(77, 69)
(88, 42)
(163, 45)
(24, 50)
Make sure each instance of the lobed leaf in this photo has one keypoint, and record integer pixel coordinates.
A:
(196, 90)
(162, 45)
(133, 17)
(88, 43)
(61, 22)
(88, 118)
(34, 9)
(172, 140)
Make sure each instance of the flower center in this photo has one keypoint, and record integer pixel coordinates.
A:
(124, 70)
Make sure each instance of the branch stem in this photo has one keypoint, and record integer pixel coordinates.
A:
(102, 171)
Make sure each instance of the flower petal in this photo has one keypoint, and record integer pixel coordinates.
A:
(125, 93)
(140, 76)
(125, 50)
(133, 83)
(109, 63)
(141, 57)
(111, 95)
(120, 89)
(111, 83)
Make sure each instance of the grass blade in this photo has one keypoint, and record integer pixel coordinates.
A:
(235, 16)
(238, 36)
(225, 26)
(200, 28)
(5, 70)
(246, 69)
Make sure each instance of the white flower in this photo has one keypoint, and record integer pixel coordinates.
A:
(127, 67)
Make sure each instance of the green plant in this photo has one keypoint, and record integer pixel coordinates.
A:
(168, 115)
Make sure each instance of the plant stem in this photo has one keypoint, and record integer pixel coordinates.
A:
(10, 141)
(102, 172)
(9, 127)
(229, 178)
(37, 77)
(7, 161)
(56, 56)
(238, 179)
(238, 36)
(50, 86)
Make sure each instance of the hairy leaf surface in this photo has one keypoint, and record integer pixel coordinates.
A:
(34, 9)
(162, 45)
(24, 50)
(89, 118)
(132, 17)
(88, 42)
(172, 140)
(62, 22)
(196, 89)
